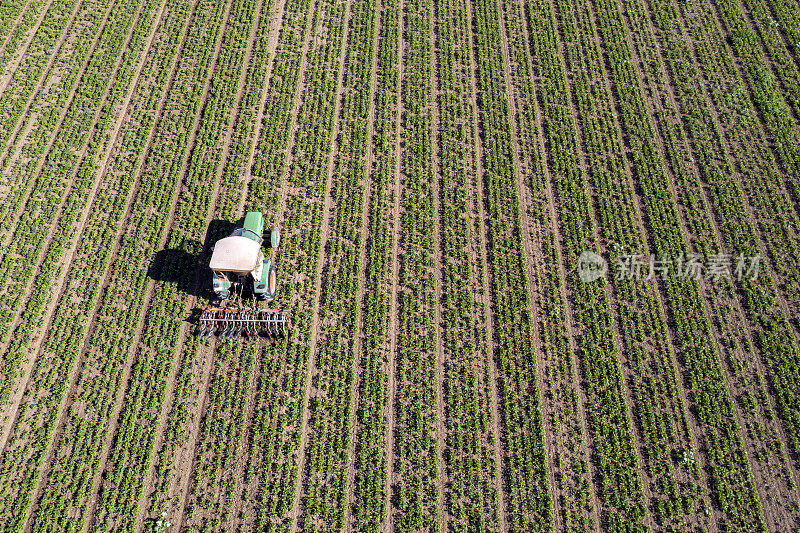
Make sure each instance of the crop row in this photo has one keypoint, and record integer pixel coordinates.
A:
(328, 452)
(570, 486)
(232, 190)
(91, 116)
(765, 190)
(746, 377)
(259, 388)
(731, 478)
(620, 488)
(371, 439)
(43, 58)
(769, 192)
(281, 392)
(132, 450)
(28, 13)
(650, 361)
(415, 406)
(50, 167)
(525, 462)
(33, 428)
(473, 499)
(777, 52)
(223, 434)
(771, 74)
(9, 12)
(283, 96)
(80, 443)
(756, 169)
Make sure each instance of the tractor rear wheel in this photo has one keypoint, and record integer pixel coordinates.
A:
(275, 237)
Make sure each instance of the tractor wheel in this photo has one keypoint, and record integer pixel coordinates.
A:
(275, 237)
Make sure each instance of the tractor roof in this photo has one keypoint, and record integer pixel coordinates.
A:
(235, 254)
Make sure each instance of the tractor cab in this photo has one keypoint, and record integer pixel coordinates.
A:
(237, 261)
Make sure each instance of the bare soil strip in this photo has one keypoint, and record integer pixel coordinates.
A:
(483, 274)
(369, 164)
(443, 479)
(14, 139)
(185, 492)
(70, 252)
(568, 451)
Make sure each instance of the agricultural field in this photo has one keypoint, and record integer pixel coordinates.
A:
(541, 258)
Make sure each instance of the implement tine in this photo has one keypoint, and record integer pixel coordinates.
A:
(283, 324)
(273, 320)
(231, 324)
(252, 326)
(240, 323)
(244, 322)
(226, 325)
(201, 330)
(265, 323)
(215, 324)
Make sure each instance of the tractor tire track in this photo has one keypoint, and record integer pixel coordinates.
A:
(14, 139)
(355, 397)
(205, 353)
(568, 454)
(443, 477)
(394, 319)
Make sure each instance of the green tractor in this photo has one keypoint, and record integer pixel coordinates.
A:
(237, 262)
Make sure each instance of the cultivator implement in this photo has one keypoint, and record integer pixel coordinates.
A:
(235, 322)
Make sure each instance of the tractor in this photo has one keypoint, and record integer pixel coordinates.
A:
(237, 262)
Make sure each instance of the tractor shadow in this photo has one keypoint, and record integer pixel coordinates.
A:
(187, 266)
(175, 266)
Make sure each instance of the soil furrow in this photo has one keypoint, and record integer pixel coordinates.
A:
(14, 139)
(195, 434)
(443, 481)
(569, 451)
(126, 371)
(186, 330)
